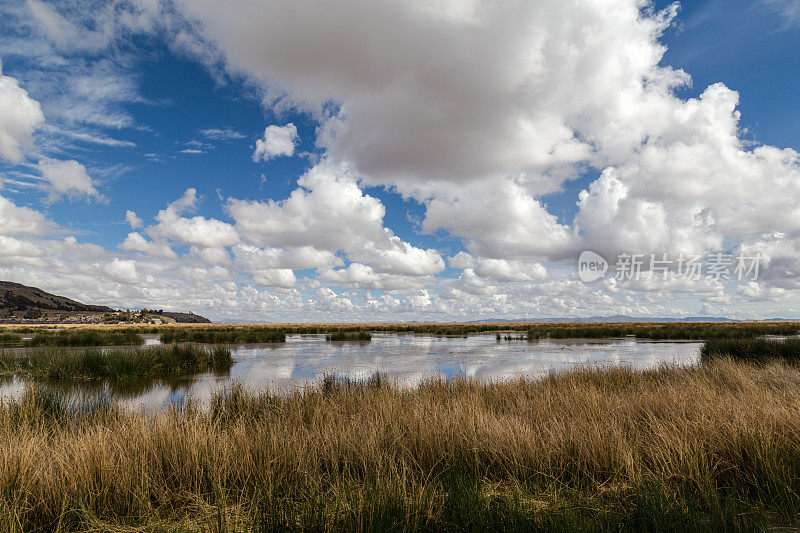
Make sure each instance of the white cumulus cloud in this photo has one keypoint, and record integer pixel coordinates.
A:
(20, 116)
(122, 270)
(277, 141)
(67, 178)
(133, 220)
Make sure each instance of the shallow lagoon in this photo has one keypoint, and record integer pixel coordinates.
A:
(406, 359)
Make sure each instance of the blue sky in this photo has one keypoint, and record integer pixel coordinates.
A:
(436, 171)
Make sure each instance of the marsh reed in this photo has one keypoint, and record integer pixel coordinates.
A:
(69, 364)
(85, 337)
(753, 349)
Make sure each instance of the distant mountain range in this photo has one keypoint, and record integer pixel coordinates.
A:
(626, 318)
(19, 301)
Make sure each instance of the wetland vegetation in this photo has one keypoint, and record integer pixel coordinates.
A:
(715, 445)
(65, 364)
(703, 448)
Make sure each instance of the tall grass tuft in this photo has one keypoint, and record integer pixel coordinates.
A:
(224, 336)
(64, 364)
(85, 337)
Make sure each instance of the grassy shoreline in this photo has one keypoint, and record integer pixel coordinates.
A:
(753, 350)
(710, 447)
(274, 332)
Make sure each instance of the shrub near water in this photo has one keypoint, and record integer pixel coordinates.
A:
(156, 361)
(707, 448)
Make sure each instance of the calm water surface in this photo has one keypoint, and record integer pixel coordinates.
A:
(304, 360)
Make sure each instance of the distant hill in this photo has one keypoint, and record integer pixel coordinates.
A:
(186, 318)
(20, 301)
(18, 297)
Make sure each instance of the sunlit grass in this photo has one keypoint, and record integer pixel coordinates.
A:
(712, 447)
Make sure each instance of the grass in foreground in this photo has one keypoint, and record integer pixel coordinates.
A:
(708, 448)
(66, 364)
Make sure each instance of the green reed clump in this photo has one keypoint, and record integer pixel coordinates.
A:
(754, 349)
(85, 337)
(348, 336)
(63, 364)
(10, 338)
(223, 336)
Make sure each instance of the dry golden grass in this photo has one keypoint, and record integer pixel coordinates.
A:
(698, 448)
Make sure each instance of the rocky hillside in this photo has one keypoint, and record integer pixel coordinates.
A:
(15, 297)
(22, 303)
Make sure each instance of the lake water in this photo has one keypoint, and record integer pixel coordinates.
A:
(406, 359)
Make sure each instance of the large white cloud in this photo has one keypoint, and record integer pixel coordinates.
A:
(20, 116)
(197, 231)
(67, 178)
(692, 186)
(17, 220)
(500, 269)
(122, 271)
(330, 212)
(499, 218)
(509, 99)
(476, 109)
(499, 88)
(136, 242)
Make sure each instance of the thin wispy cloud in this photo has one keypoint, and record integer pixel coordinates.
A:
(788, 9)
(222, 134)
